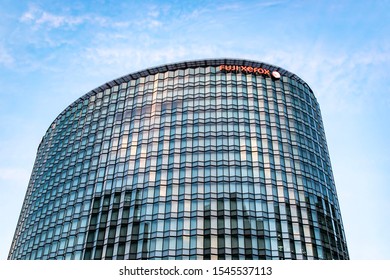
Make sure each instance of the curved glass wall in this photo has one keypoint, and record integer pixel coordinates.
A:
(194, 160)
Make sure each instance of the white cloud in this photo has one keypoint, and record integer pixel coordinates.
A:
(154, 23)
(57, 21)
(240, 6)
(123, 58)
(336, 77)
(39, 17)
(6, 58)
(30, 15)
(153, 12)
(11, 176)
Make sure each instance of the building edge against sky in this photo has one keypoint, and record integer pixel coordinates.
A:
(207, 159)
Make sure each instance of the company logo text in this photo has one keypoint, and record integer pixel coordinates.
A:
(247, 69)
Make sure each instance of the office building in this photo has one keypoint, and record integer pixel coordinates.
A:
(207, 159)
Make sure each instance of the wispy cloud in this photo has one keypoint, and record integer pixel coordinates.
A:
(237, 6)
(336, 77)
(18, 176)
(39, 17)
(122, 58)
(6, 59)
(271, 3)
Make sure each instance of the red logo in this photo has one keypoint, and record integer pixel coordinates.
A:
(249, 69)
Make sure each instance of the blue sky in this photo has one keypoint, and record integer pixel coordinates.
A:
(53, 52)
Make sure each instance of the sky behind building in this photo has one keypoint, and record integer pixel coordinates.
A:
(53, 52)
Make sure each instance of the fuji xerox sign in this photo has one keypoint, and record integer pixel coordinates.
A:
(249, 69)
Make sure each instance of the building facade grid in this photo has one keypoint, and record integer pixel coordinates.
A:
(185, 161)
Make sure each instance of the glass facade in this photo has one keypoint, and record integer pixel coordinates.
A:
(208, 159)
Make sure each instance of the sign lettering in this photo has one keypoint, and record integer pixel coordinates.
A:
(249, 69)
